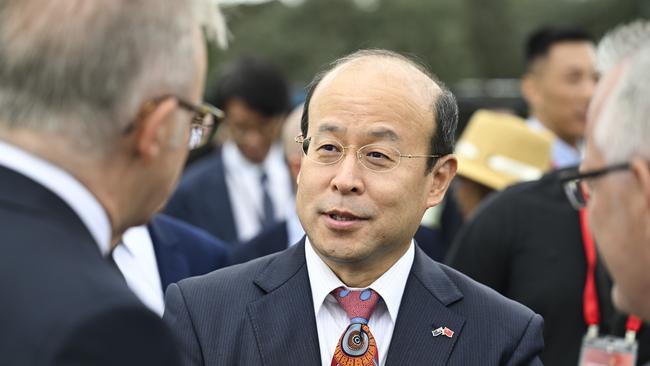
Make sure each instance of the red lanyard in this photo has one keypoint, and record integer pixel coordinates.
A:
(590, 296)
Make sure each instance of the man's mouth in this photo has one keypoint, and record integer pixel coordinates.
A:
(340, 215)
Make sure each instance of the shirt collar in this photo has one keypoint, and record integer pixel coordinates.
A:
(65, 186)
(390, 286)
(235, 161)
(563, 154)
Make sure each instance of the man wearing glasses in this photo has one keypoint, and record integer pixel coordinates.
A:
(614, 179)
(98, 103)
(377, 137)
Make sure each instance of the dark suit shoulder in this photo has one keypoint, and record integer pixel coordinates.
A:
(271, 240)
(126, 334)
(237, 279)
(490, 300)
(205, 170)
(171, 229)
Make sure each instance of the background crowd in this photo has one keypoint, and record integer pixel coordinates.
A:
(525, 204)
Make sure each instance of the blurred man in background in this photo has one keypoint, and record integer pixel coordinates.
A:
(244, 186)
(558, 84)
(98, 104)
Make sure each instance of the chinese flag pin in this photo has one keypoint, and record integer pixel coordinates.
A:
(443, 331)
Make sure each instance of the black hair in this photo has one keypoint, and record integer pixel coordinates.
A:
(445, 106)
(540, 42)
(255, 81)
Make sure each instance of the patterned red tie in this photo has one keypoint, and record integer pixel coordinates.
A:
(357, 346)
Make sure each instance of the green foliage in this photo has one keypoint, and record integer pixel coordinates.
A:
(456, 38)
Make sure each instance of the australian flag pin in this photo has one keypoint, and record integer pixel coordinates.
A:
(443, 331)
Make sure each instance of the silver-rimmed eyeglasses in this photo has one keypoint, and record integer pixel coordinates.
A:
(326, 150)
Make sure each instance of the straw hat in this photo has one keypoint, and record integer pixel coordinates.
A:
(498, 149)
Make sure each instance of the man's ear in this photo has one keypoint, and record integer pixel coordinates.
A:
(529, 89)
(641, 170)
(441, 174)
(154, 130)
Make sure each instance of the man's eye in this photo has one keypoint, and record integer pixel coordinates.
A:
(377, 155)
(329, 148)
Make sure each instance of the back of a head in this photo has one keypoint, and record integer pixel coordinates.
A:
(623, 130)
(627, 134)
(539, 43)
(81, 69)
(256, 82)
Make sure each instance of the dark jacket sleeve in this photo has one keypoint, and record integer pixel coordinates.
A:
(128, 336)
(530, 345)
(179, 321)
(482, 248)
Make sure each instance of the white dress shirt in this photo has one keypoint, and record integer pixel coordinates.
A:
(245, 192)
(331, 319)
(136, 259)
(563, 155)
(65, 186)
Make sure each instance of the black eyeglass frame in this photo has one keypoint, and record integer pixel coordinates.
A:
(199, 112)
(571, 181)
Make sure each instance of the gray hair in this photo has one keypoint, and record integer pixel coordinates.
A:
(82, 69)
(445, 108)
(621, 135)
(624, 128)
(620, 43)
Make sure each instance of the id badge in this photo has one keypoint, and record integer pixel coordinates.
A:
(607, 351)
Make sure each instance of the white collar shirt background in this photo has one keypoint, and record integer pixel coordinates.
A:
(245, 192)
(563, 155)
(136, 258)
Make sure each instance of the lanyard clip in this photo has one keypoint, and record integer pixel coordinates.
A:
(630, 336)
(592, 331)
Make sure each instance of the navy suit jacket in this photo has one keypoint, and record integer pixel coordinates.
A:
(275, 239)
(202, 199)
(62, 303)
(261, 313)
(183, 250)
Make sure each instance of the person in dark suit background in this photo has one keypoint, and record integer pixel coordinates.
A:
(377, 134)
(165, 251)
(98, 102)
(242, 186)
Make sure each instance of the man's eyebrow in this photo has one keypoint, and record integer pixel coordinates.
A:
(329, 127)
(384, 133)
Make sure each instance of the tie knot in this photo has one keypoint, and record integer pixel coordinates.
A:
(358, 304)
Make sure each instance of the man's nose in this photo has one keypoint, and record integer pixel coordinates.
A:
(349, 174)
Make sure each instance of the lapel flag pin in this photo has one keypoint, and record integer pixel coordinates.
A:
(443, 331)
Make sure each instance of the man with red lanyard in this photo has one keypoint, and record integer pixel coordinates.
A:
(612, 191)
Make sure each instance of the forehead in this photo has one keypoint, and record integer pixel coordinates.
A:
(570, 55)
(370, 91)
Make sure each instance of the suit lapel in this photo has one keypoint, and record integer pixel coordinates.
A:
(283, 320)
(423, 308)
